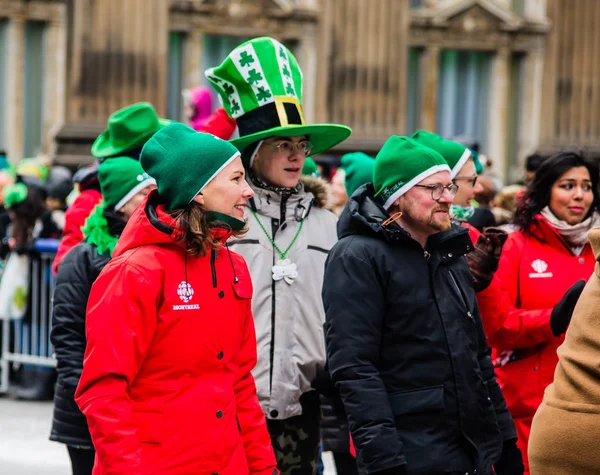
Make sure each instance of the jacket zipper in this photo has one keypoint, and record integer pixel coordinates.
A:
(213, 258)
(462, 297)
(274, 228)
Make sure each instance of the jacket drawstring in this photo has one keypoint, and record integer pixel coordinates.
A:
(235, 279)
(187, 282)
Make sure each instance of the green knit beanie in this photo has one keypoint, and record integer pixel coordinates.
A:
(121, 178)
(310, 168)
(401, 164)
(455, 154)
(359, 170)
(184, 161)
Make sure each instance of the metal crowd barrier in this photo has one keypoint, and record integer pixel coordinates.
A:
(27, 341)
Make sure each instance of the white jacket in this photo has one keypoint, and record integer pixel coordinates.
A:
(288, 317)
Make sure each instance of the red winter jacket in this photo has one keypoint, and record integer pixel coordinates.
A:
(75, 218)
(166, 386)
(535, 271)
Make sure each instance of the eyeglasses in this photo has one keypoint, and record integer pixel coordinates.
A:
(472, 179)
(437, 190)
(289, 148)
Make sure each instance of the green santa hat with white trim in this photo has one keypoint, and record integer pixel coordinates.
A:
(121, 178)
(184, 161)
(260, 86)
(400, 165)
(454, 153)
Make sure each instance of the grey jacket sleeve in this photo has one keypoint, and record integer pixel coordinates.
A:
(354, 301)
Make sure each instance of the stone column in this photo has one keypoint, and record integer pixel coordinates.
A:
(498, 110)
(193, 73)
(15, 67)
(430, 69)
(535, 9)
(307, 58)
(54, 86)
(530, 107)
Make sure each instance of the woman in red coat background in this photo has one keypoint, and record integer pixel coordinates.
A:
(527, 308)
(166, 386)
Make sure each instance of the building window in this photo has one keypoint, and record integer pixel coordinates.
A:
(413, 90)
(518, 6)
(33, 97)
(3, 104)
(416, 3)
(463, 93)
(215, 49)
(175, 76)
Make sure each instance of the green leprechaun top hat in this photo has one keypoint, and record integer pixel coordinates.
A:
(129, 128)
(260, 86)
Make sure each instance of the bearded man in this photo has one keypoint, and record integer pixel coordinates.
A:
(405, 343)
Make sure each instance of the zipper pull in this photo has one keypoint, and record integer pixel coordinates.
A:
(426, 255)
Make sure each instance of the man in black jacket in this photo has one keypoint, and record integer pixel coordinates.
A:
(405, 342)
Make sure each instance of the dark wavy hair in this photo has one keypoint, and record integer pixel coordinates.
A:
(537, 195)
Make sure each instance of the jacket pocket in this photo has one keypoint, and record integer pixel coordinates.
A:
(149, 426)
(243, 288)
(461, 296)
(417, 401)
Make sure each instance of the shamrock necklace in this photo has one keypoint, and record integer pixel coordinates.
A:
(283, 268)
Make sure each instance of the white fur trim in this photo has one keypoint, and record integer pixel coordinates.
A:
(134, 191)
(461, 163)
(253, 156)
(229, 160)
(421, 176)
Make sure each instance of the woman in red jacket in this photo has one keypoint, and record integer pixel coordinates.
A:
(166, 386)
(523, 312)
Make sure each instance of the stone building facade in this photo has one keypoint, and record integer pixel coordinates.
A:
(518, 76)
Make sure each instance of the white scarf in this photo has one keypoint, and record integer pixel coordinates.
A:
(576, 234)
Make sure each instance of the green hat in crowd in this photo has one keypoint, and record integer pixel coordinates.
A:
(454, 153)
(128, 129)
(178, 147)
(401, 164)
(14, 194)
(260, 86)
(359, 170)
(121, 178)
(310, 168)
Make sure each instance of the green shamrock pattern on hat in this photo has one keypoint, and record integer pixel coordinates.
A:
(241, 80)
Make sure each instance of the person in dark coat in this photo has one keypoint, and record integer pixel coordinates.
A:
(124, 185)
(405, 342)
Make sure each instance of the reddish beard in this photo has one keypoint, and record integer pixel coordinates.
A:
(441, 222)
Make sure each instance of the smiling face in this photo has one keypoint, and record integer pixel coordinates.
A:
(422, 216)
(279, 161)
(464, 179)
(571, 196)
(227, 192)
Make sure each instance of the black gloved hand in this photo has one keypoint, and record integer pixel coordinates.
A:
(399, 470)
(563, 310)
(323, 384)
(511, 460)
(483, 260)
